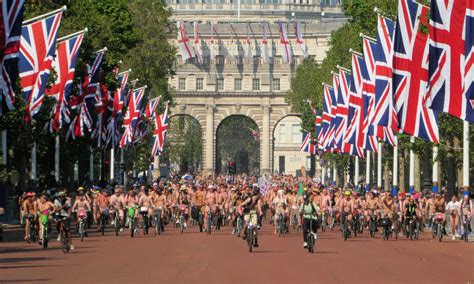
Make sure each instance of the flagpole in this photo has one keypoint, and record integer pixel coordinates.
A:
(334, 173)
(395, 168)
(72, 35)
(33, 162)
(379, 166)
(238, 10)
(112, 163)
(356, 171)
(323, 174)
(56, 158)
(4, 151)
(122, 167)
(62, 9)
(412, 167)
(367, 170)
(465, 156)
(435, 168)
(91, 164)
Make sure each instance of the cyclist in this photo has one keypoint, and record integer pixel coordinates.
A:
(62, 208)
(159, 202)
(326, 206)
(252, 208)
(183, 203)
(453, 208)
(347, 207)
(81, 206)
(278, 205)
(466, 209)
(310, 211)
(439, 204)
(44, 207)
(131, 200)
(29, 209)
(410, 211)
(117, 202)
(102, 205)
(211, 200)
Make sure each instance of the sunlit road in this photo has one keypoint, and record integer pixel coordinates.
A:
(223, 258)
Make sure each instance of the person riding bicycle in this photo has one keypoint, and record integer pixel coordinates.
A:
(410, 211)
(466, 210)
(183, 203)
(439, 208)
(117, 202)
(62, 209)
(278, 205)
(81, 206)
(29, 211)
(159, 203)
(347, 207)
(310, 211)
(44, 207)
(252, 208)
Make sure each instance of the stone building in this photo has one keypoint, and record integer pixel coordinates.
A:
(238, 81)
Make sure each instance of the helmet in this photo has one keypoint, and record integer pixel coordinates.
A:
(29, 194)
(347, 193)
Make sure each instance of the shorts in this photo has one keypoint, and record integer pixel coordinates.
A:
(251, 216)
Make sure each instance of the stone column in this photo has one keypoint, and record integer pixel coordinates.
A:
(209, 144)
(265, 163)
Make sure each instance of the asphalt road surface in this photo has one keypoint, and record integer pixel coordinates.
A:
(195, 257)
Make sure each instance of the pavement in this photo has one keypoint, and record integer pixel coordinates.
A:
(195, 257)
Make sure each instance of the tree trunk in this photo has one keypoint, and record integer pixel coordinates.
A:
(417, 173)
(386, 176)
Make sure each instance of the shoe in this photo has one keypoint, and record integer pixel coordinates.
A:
(58, 239)
(453, 238)
(233, 231)
(185, 226)
(85, 234)
(121, 229)
(315, 236)
(244, 237)
(305, 245)
(457, 236)
(40, 242)
(72, 247)
(112, 223)
(255, 245)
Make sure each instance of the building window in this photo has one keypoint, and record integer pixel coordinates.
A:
(295, 133)
(256, 59)
(219, 59)
(282, 133)
(220, 84)
(276, 84)
(256, 84)
(199, 84)
(182, 84)
(238, 84)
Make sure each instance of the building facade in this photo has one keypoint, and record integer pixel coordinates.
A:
(232, 76)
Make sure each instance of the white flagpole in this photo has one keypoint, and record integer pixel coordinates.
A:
(465, 155)
(356, 171)
(76, 171)
(238, 10)
(112, 163)
(91, 164)
(435, 168)
(412, 167)
(334, 173)
(56, 158)
(379, 166)
(323, 174)
(367, 169)
(33, 162)
(395, 167)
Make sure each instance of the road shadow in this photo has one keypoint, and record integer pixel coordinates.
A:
(326, 252)
(267, 251)
(21, 259)
(25, 280)
(26, 266)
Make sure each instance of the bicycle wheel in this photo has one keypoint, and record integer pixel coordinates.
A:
(209, 225)
(64, 241)
(250, 239)
(102, 225)
(81, 230)
(132, 228)
(310, 243)
(45, 237)
(181, 223)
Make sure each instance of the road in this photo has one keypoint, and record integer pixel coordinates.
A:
(195, 257)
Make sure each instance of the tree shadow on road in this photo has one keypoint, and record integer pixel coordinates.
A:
(21, 259)
(25, 280)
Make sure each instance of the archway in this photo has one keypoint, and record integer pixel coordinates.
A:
(287, 139)
(184, 144)
(237, 140)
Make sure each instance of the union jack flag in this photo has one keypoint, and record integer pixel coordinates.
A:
(82, 120)
(317, 128)
(357, 107)
(159, 134)
(248, 45)
(64, 64)
(10, 32)
(410, 73)
(329, 113)
(451, 58)
(197, 42)
(307, 145)
(102, 109)
(131, 117)
(374, 131)
(151, 107)
(91, 82)
(345, 80)
(37, 47)
(384, 114)
(118, 102)
(286, 52)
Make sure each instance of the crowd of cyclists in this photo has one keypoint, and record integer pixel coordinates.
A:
(244, 204)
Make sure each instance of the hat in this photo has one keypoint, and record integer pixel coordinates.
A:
(61, 193)
(30, 194)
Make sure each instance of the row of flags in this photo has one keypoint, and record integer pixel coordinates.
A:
(31, 49)
(195, 48)
(402, 81)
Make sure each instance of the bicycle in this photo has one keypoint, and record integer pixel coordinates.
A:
(410, 222)
(311, 237)
(396, 226)
(32, 228)
(131, 222)
(44, 219)
(372, 225)
(438, 227)
(238, 224)
(465, 226)
(104, 216)
(209, 222)
(81, 215)
(294, 219)
(157, 220)
(385, 223)
(355, 224)
(64, 234)
(117, 224)
(182, 211)
(251, 234)
(345, 228)
(324, 220)
(144, 213)
(281, 228)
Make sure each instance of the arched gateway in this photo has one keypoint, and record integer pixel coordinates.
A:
(210, 109)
